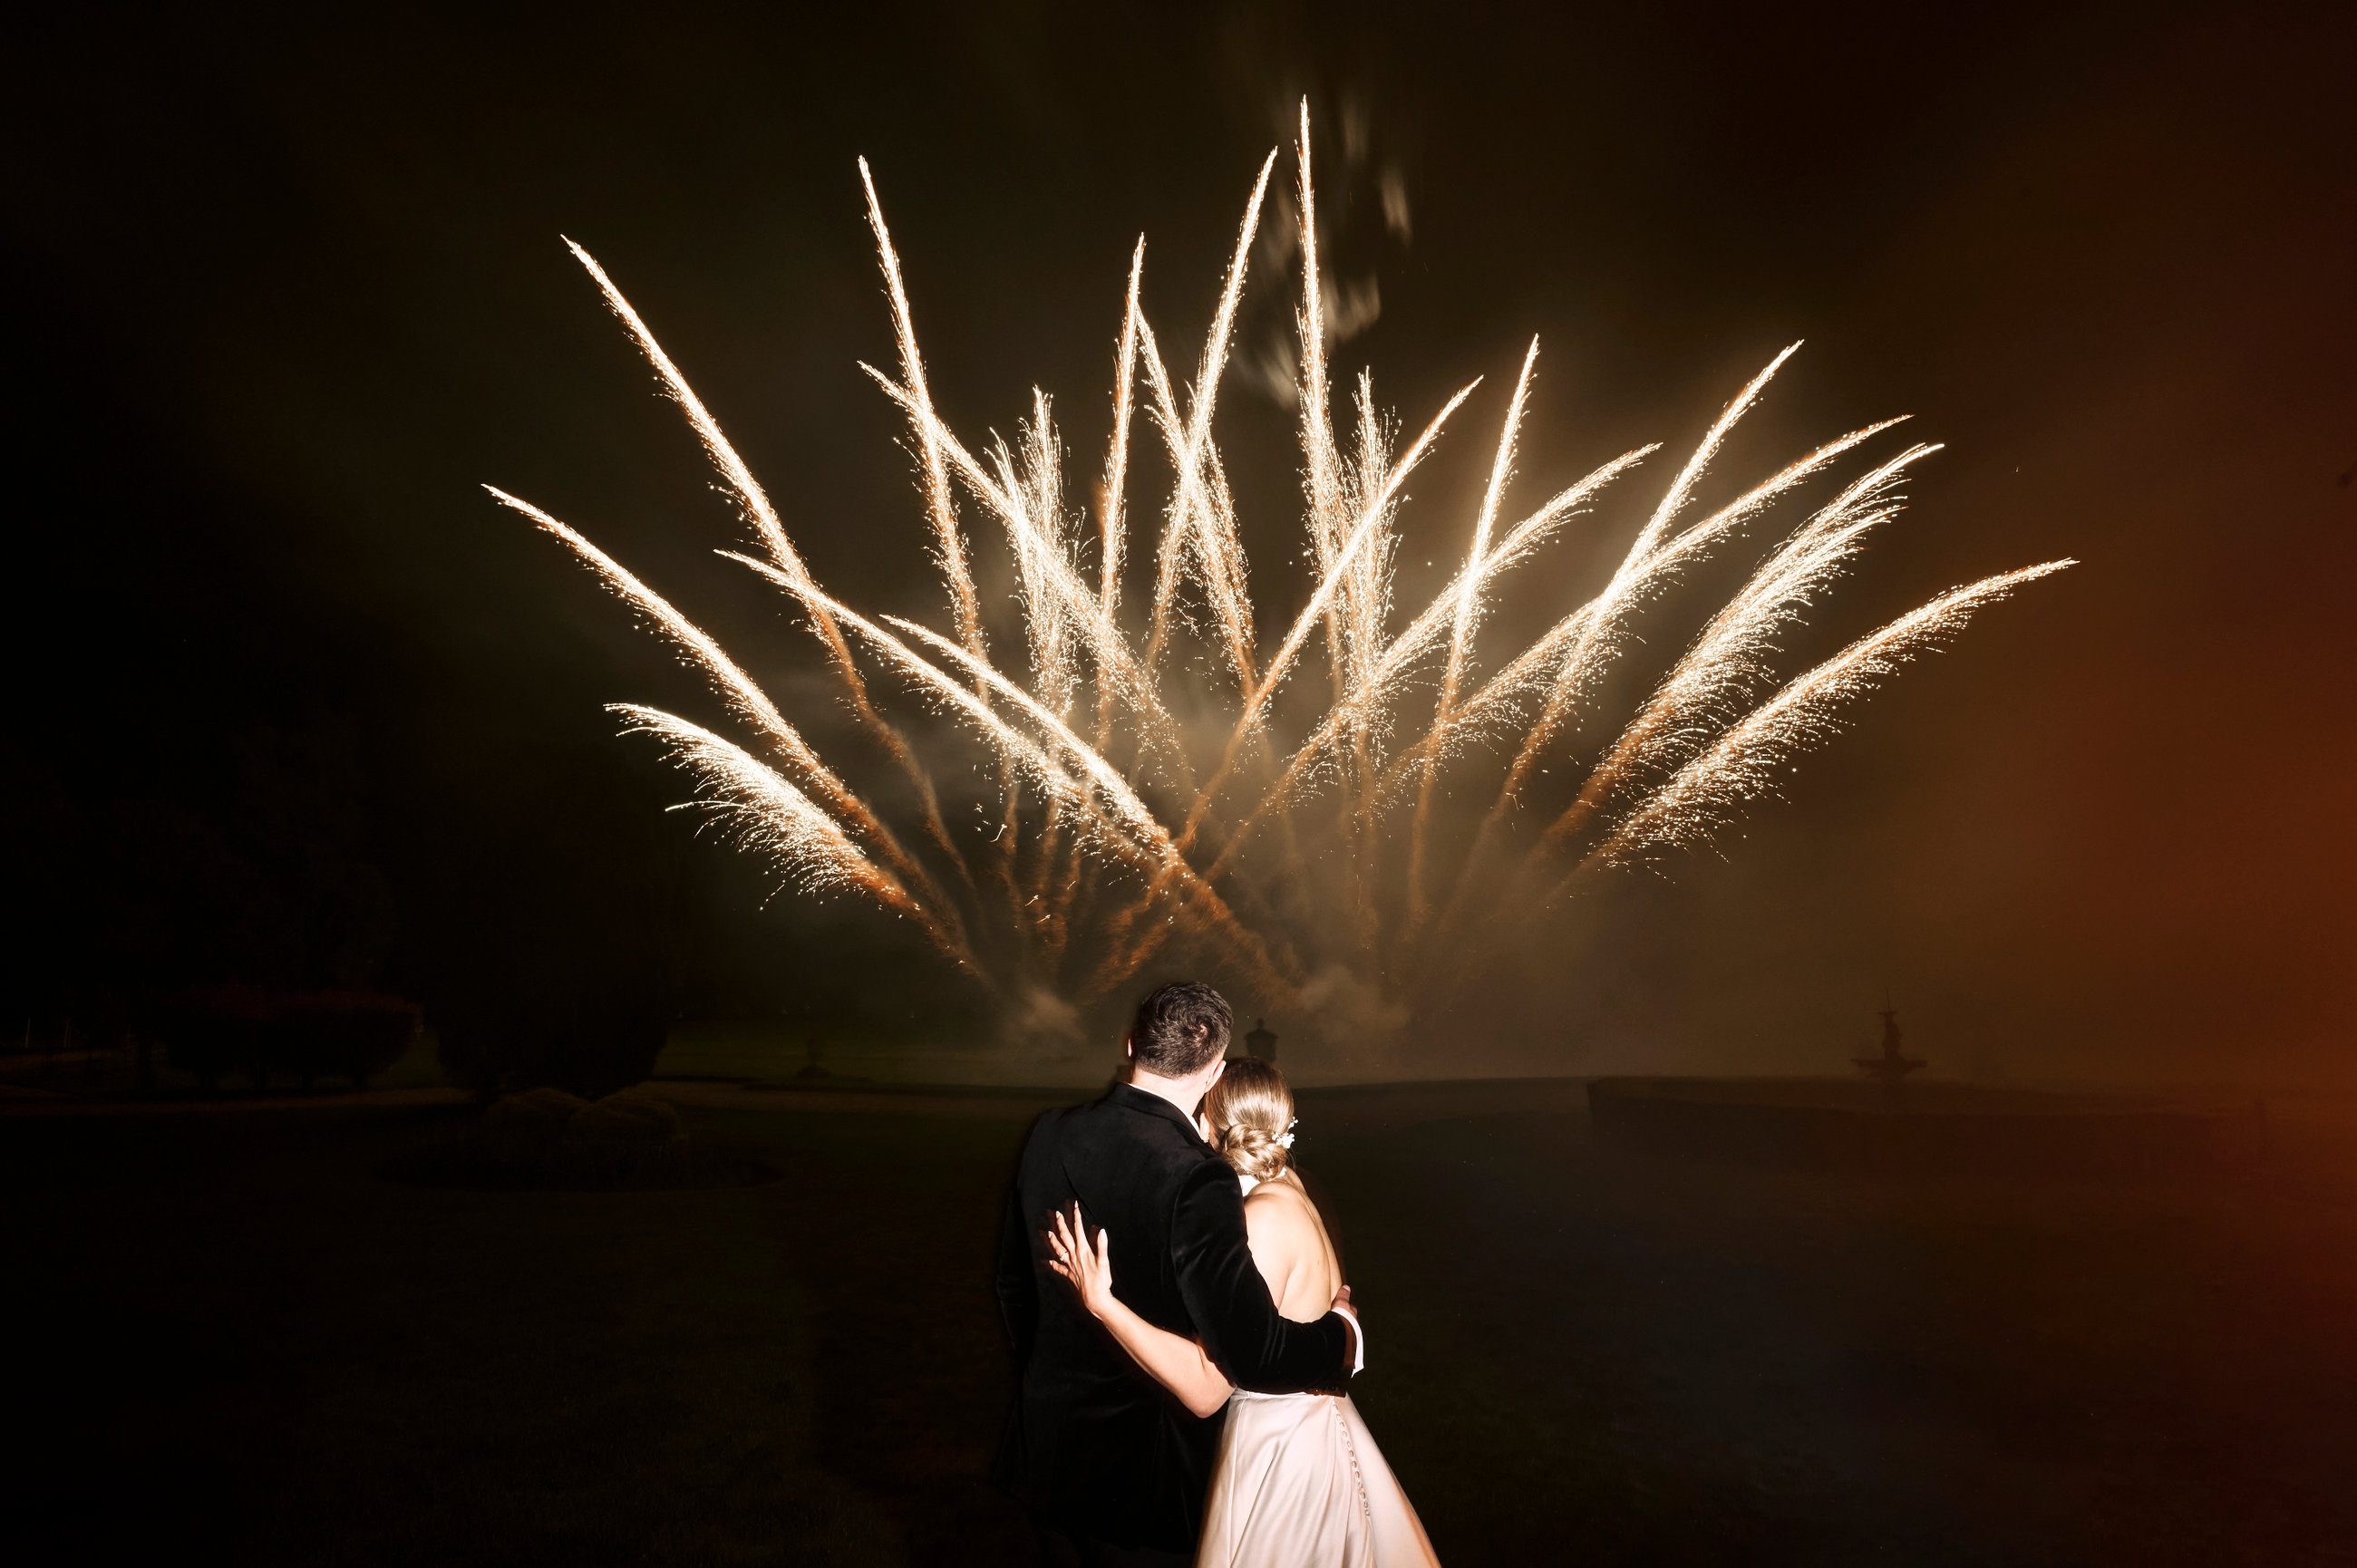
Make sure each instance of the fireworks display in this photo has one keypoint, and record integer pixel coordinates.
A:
(1389, 832)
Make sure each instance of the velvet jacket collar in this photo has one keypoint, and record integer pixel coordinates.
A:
(1136, 1099)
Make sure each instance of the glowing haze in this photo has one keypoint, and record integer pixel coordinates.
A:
(1379, 826)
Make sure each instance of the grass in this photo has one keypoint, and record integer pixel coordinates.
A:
(234, 1337)
(113, 1072)
(758, 1052)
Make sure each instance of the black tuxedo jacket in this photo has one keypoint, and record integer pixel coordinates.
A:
(1095, 1446)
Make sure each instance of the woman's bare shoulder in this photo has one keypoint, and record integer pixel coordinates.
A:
(1282, 1211)
(1282, 1192)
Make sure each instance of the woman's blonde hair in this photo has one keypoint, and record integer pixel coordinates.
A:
(1250, 1109)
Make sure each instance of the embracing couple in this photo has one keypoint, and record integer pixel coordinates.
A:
(1182, 1333)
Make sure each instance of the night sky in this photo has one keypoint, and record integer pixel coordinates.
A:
(289, 288)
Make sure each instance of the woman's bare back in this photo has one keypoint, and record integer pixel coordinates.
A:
(1290, 1246)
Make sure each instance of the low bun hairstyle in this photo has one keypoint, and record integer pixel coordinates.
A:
(1250, 1109)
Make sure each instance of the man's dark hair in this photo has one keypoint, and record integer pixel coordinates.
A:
(1180, 1029)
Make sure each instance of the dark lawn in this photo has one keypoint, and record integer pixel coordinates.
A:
(231, 1338)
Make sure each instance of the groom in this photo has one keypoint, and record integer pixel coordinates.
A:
(1112, 1466)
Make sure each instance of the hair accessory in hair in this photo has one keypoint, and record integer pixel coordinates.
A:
(1285, 1139)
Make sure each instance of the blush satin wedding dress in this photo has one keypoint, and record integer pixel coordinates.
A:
(1300, 1483)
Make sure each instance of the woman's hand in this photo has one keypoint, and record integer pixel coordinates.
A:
(1089, 1269)
(1177, 1364)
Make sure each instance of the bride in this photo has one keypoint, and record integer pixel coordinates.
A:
(1299, 1481)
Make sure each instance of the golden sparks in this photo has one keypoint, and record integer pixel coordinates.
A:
(1180, 815)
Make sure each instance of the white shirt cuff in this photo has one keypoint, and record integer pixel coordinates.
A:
(1358, 1341)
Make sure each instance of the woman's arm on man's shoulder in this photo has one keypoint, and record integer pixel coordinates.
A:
(1173, 1360)
(1230, 1303)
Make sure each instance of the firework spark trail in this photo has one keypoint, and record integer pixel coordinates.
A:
(1460, 636)
(1076, 878)
(1356, 718)
(1544, 662)
(1130, 828)
(750, 493)
(1019, 753)
(1032, 477)
(1468, 596)
(1169, 557)
(771, 529)
(1401, 653)
(1370, 592)
(949, 539)
(1149, 838)
(748, 490)
(1369, 703)
(1701, 746)
(1731, 654)
(1717, 674)
(1191, 439)
(1116, 480)
(1107, 647)
(1322, 478)
(1054, 613)
(752, 707)
(1131, 810)
(1221, 555)
(1256, 701)
(1681, 489)
(1033, 482)
(1686, 811)
(1366, 611)
(1594, 627)
(1369, 523)
(1199, 526)
(1597, 638)
(765, 811)
(949, 542)
(745, 699)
